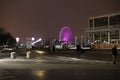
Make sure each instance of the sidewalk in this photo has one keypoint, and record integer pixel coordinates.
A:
(91, 55)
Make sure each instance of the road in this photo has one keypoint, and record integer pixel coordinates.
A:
(56, 67)
(59, 74)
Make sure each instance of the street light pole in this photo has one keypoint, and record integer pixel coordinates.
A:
(75, 40)
(82, 41)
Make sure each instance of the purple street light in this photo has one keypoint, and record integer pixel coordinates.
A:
(65, 35)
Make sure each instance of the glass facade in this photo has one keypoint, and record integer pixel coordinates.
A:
(104, 37)
(91, 23)
(103, 21)
(104, 29)
(115, 35)
(115, 20)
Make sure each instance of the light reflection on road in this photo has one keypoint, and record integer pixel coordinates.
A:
(40, 52)
(64, 74)
(39, 73)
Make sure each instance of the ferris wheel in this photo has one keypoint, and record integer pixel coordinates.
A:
(65, 35)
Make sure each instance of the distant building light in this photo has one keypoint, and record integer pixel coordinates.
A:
(17, 39)
(33, 38)
(91, 43)
(40, 39)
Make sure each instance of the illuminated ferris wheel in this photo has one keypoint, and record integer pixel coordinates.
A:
(65, 35)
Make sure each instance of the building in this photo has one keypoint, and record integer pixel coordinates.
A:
(104, 31)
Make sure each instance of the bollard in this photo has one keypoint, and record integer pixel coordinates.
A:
(13, 55)
(28, 54)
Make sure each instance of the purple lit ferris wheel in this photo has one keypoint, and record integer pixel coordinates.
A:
(65, 35)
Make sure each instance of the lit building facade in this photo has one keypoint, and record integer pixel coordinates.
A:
(104, 29)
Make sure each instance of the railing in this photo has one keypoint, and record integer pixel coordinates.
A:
(113, 27)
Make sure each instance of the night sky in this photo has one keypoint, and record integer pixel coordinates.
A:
(45, 18)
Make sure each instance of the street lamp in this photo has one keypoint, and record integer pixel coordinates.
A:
(33, 38)
(17, 39)
(76, 40)
(82, 41)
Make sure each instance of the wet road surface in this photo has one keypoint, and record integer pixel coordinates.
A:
(59, 74)
(57, 67)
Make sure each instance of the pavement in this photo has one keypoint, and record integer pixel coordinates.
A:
(58, 65)
(58, 59)
(101, 55)
(5, 75)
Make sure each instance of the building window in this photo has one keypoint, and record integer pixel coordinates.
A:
(91, 23)
(115, 35)
(103, 21)
(115, 20)
(104, 37)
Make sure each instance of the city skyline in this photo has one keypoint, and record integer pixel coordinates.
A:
(45, 19)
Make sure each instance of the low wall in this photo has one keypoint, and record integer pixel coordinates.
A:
(104, 46)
